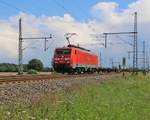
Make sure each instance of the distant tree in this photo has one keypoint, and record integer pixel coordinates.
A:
(3, 67)
(8, 67)
(35, 64)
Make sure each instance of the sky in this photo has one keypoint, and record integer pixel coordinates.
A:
(87, 18)
(79, 9)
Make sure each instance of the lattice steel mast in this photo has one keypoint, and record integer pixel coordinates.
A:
(135, 42)
(20, 67)
(20, 57)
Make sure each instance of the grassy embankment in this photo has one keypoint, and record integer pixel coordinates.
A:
(121, 99)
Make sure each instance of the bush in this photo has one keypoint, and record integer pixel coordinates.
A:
(31, 71)
(47, 69)
(35, 64)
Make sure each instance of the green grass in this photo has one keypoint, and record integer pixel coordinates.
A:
(119, 99)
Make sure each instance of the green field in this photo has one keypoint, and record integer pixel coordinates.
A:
(125, 98)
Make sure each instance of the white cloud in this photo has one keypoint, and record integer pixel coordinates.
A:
(108, 18)
(105, 10)
(108, 11)
(33, 26)
(114, 20)
(8, 39)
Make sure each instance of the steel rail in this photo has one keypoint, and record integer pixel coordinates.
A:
(24, 79)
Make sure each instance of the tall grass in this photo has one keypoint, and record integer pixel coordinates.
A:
(127, 98)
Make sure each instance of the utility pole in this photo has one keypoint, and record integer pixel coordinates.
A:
(100, 59)
(135, 43)
(147, 61)
(112, 63)
(124, 62)
(105, 35)
(144, 58)
(20, 60)
(20, 67)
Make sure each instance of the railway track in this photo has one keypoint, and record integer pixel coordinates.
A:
(36, 78)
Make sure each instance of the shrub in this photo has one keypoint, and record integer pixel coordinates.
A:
(47, 69)
(32, 71)
(35, 64)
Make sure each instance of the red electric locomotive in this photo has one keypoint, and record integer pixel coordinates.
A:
(73, 59)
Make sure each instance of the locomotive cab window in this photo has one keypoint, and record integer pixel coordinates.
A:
(63, 51)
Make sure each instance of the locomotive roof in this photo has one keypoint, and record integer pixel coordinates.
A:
(73, 46)
(78, 47)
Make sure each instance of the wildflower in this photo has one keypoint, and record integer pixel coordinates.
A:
(32, 118)
(8, 113)
(23, 111)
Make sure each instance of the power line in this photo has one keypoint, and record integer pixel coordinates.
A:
(20, 50)
(68, 11)
(135, 42)
(62, 6)
(124, 41)
(11, 6)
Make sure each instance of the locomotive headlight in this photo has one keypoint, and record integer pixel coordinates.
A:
(67, 59)
(56, 59)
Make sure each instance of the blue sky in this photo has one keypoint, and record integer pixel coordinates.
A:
(112, 16)
(79, 9)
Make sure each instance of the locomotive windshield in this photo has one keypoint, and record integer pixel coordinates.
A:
(63, 51)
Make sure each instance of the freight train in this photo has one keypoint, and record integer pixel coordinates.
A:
(74, 59)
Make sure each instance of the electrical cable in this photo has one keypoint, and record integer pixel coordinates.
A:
(11, 6)
(68, 11)
(124, 40)
(60, 5)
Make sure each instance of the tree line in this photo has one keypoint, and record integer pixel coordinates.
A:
(34, 64)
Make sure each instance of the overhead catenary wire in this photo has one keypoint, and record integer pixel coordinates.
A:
(124, 41)
(12, 6)
(55, 1)
(60, 5)
(70, 12)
